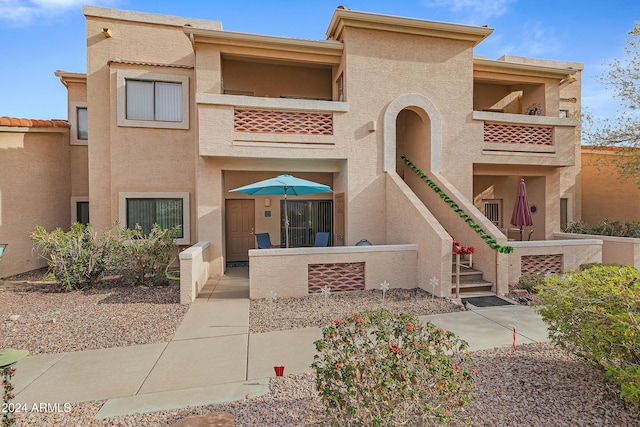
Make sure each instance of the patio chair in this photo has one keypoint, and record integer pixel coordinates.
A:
(322, 239)
(264, 241)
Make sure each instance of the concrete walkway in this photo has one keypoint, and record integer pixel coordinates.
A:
(213, 359)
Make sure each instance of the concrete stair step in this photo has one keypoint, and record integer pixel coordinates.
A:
(466, 274)
(473, 286)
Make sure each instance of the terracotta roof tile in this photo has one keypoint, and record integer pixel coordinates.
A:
(33, 123)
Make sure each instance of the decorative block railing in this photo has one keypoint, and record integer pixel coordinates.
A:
(536, 264)
(339, 277)
(516, 134)
(288, 122)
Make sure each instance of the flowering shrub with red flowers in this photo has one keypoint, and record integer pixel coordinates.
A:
(380, 369)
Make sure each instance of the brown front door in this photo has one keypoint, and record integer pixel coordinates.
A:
(239, 226)
(339, 220)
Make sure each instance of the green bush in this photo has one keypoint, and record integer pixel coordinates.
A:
(143, 258)
(605, 228)
(588, 265)
(594, 315)
(76, 258)
(530, 282)
(379, 369)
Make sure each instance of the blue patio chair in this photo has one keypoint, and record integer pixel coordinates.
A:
(322, 239)
(264, 241)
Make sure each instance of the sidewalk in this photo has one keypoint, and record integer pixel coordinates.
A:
(213, 359)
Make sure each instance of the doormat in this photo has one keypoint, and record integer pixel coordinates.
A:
(488, 301)
(238, 264)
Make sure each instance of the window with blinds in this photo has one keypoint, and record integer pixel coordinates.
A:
(153, 100)
(167, 213)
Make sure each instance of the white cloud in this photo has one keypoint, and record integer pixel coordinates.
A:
(532, 39)
(537, 41)
(25, 12)
(473, 11)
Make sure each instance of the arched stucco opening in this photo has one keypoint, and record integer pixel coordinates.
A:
(407, 119)
(413, 139)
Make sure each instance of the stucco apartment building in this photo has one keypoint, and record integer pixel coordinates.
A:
(173, 113)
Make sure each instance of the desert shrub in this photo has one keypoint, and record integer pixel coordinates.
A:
(530, 282)
(76, 258)
(379, 369)
(588, 265)
(594, 315)
(577, 227)
(605, 228)
(143, 258)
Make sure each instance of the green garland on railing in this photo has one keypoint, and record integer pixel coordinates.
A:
(477, 228)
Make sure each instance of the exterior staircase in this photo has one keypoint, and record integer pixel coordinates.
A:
(470, 279)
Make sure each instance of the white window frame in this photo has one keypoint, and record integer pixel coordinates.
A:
(123, 75)
(186, 215)
(73, 121)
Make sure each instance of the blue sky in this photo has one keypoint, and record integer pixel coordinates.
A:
(41, 36)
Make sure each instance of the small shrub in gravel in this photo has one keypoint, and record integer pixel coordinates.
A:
(76, 258)
(143, 258)
(378, 369)
(530, 282)
(594, 314)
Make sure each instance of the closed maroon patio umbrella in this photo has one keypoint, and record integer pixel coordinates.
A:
(521, 216)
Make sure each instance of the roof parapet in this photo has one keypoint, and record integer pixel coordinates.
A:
(230, 38)
(67, 77)
(348, 18)
(521, 68)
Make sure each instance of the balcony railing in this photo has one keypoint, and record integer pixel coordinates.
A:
(282, 122)
(536, 139)
(515, 134)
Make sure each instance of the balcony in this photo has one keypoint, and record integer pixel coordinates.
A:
(551, 138)
(282, 122)
(249, 126)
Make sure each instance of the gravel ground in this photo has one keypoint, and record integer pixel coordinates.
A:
(318, 310)
(537, 385)
(38, 317)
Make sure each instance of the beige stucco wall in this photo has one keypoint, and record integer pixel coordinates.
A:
(35, 187)
(277, 80)
(573, 252)
(285, 271)
(615, 250)
(133, 159)
(408, 220)
(194, 271)
(605, 194)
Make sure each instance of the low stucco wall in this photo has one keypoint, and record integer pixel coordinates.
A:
(194, 271)
(409, 220)
(573, 252)
(285, 271)
(615, 250)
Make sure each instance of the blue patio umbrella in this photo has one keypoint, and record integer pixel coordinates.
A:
(285, 185)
